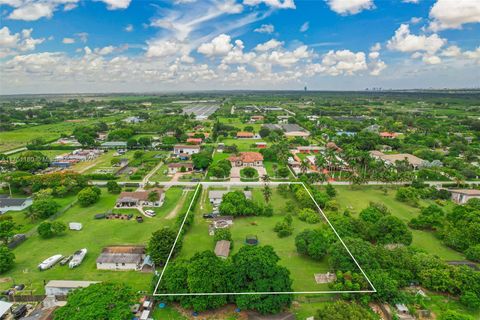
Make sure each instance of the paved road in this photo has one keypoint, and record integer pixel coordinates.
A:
(260, 183)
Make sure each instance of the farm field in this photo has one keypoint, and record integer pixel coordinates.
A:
(357, 199)
(302, 268)
(95, 235)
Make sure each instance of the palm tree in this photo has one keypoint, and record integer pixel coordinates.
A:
(267, 193)
(304, 166)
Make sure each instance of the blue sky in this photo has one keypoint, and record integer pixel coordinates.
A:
(49, 46)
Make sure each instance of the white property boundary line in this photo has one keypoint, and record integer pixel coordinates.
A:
(260, 293)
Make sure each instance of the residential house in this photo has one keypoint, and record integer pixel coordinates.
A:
(388, 135)
(14, 204)
(461, 196)
(245, 135)
(289, 129)
(114, 145)
(391, 159)
(132, 120)
(129, 199)
(309, 149)
(247, 159)
(261, 145)
(177, 167)
(195, 141)
(222, 249)
(215, 196)
(256, 118)
(63, 287)
(122, 258)
(185, 149)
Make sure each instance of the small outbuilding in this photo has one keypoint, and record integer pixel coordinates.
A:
(77, 226)
(461, 196)
(222, 249)
(63, 287)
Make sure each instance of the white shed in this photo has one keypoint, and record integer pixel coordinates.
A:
(75, 226)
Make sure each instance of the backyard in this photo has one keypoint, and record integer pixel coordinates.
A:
(359, 198)
(95, 235)
(302, 268)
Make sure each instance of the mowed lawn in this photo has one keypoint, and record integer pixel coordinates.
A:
(359, 198)
(302, 268)
(95, 235)
(242, 144)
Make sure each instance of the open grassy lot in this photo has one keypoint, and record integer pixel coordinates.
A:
(242, 144)
(302, 268)
(238, 124)
(161, 174)
(25, 223)
(95, 235)
(50, 154)
(360, 197)
(101, 162)
(20, 137)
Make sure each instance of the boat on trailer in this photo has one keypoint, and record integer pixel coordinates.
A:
(78, 257)
(50, 262)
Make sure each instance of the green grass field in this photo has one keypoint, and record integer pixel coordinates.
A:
(242, 144)
(20, 137)
(95, 235)
(357, 199)
(238, 124)
(302, 268)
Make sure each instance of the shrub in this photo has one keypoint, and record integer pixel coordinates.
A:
(7, 259)
(284, 228)
(51, 229)
(309, 216)
(223, 234)
(473, 253)
(89, 196)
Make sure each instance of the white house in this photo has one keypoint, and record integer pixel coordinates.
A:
(215, 196)
(186, 149)
(121, 258)
(14, 204)
(63, 287)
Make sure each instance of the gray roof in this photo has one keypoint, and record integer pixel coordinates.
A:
(287, 127)
(120, 258)
(12, 202)
(114, 143)
(218, 194)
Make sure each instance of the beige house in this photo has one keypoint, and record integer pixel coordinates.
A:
(247, 159)
(222, 249)
(461, 196)
(414, 161)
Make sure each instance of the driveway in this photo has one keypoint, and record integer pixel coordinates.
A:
(235, 173)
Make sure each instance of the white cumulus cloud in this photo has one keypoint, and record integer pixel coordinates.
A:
(348, 7)
(279, 4)
(404, 41)
(453, 14)
(265, 28)
(219, 46)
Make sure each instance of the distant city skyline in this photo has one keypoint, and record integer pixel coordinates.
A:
(76, 46)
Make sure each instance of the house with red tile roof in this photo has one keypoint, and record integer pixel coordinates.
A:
(247, 159)
(245, 135)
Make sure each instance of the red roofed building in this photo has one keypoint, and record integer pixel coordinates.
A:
(245, 135)
(247, 159)
(195, 141)
(388, 135)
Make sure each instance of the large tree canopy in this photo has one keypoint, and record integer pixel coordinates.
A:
(101, 301)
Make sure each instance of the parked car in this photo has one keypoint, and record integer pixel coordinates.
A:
(210, 215)
(99, 216)
(20, 311)
(150, 213)
(139, 219)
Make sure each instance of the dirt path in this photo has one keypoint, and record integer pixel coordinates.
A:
(179, 206)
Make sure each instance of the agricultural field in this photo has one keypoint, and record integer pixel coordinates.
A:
(95, 235)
